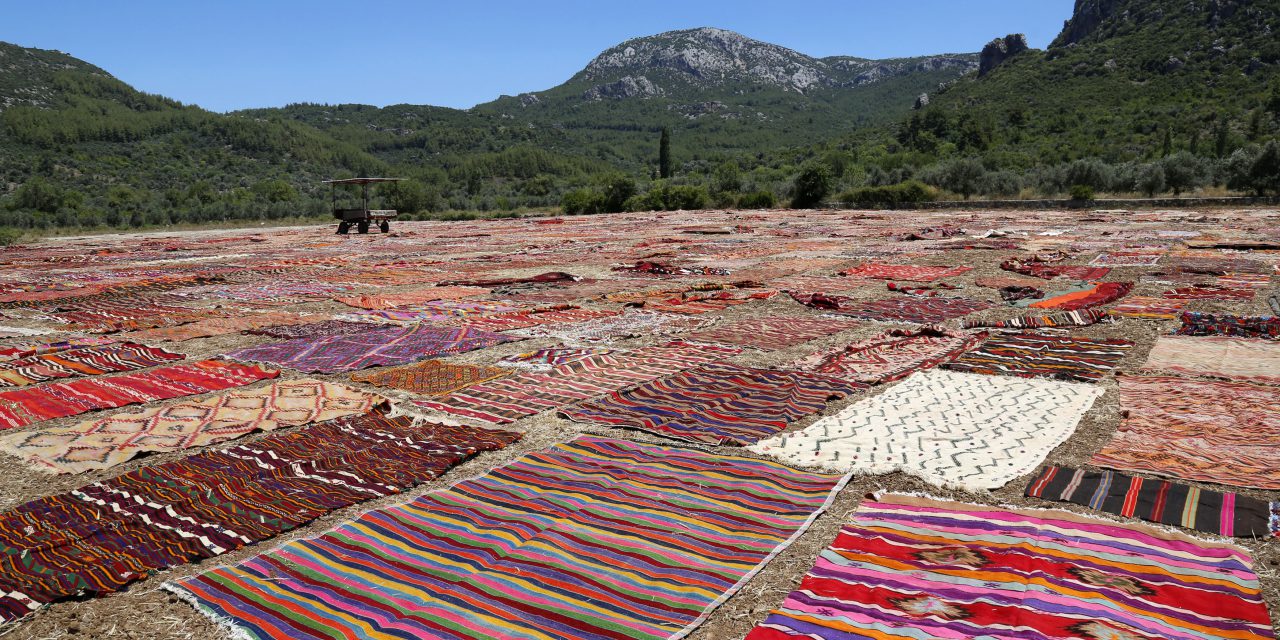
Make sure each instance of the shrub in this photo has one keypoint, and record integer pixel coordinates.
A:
(1149, 179)
(665, 197)
(1081, 192)
(617, 189)
(812, 184)
(963, 176)
(758, 200)
(582, 201)
(9, 236)
(1264, 175)
(1184, 172)
(890, 196)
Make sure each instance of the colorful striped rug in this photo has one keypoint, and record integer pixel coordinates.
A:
(311, 330)
(551, 357)
(909, 273)
(772, 333)
(1148, 308)
(594, 539)
(376, 347)
(926, 311)
(108, 441)
(1088, 296)
(1180, 505)
(82, 361)
(99, 538)
(431, 377)
(716, 403)
(525, 394)
(21, 407)
(1206, 430)
(1081, 318)
(1222, 324)
(416, 296)
(1239, 359)
(890, 356)
(908, 568)
(1034, 355)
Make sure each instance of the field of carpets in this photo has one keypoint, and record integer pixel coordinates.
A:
(819, 424)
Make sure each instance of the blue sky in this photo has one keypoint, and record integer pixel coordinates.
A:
(237, 53)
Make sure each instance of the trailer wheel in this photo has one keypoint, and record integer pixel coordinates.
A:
(385, 227)
(343, 227)
(362, 226)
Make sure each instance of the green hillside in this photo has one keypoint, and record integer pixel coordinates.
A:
(1135, 96)
(1178, 85)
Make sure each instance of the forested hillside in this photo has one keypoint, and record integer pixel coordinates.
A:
(1134, 97)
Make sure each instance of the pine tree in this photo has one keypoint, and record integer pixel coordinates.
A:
(664, 154)
(1168, 143)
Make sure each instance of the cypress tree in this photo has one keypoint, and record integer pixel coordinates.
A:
(664, 154)
(1224, 133)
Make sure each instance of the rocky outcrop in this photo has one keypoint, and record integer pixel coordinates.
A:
(999, 50)
(1085, 19)
(627, 87)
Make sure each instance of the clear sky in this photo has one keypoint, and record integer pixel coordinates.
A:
(233, 54)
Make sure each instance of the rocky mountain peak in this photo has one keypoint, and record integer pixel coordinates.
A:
(707, 57)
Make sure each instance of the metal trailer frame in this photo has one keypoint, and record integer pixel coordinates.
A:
(364, 216)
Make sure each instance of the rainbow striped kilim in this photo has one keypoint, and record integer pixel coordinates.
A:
(914, 568)
(595, 538)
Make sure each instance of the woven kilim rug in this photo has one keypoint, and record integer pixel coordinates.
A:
(14, 351)
(959, 430)
(1031, 355)
(106, 442)
(83, 361)
(586, 540)
(706, 303)
(405, 298)
(1092, 296)
(1082, 318)
(772, 333)
(99, 538)
(890, 356)
(618, 327)
(431, 377)
(1128, 258)
(437, 311)
(1210, 324)
(1148, 307)
(1180, 505)
(716, 403)
(909, 273)
(1206, 430)
(1211, 292)
(1051, 271)
(311, 330)
(551, 357)
(908, 568)
(220, 326)
(21, 407)
(1217, 357)
(524, 320)
(525, 394)
(376, 347)
(925, 311)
